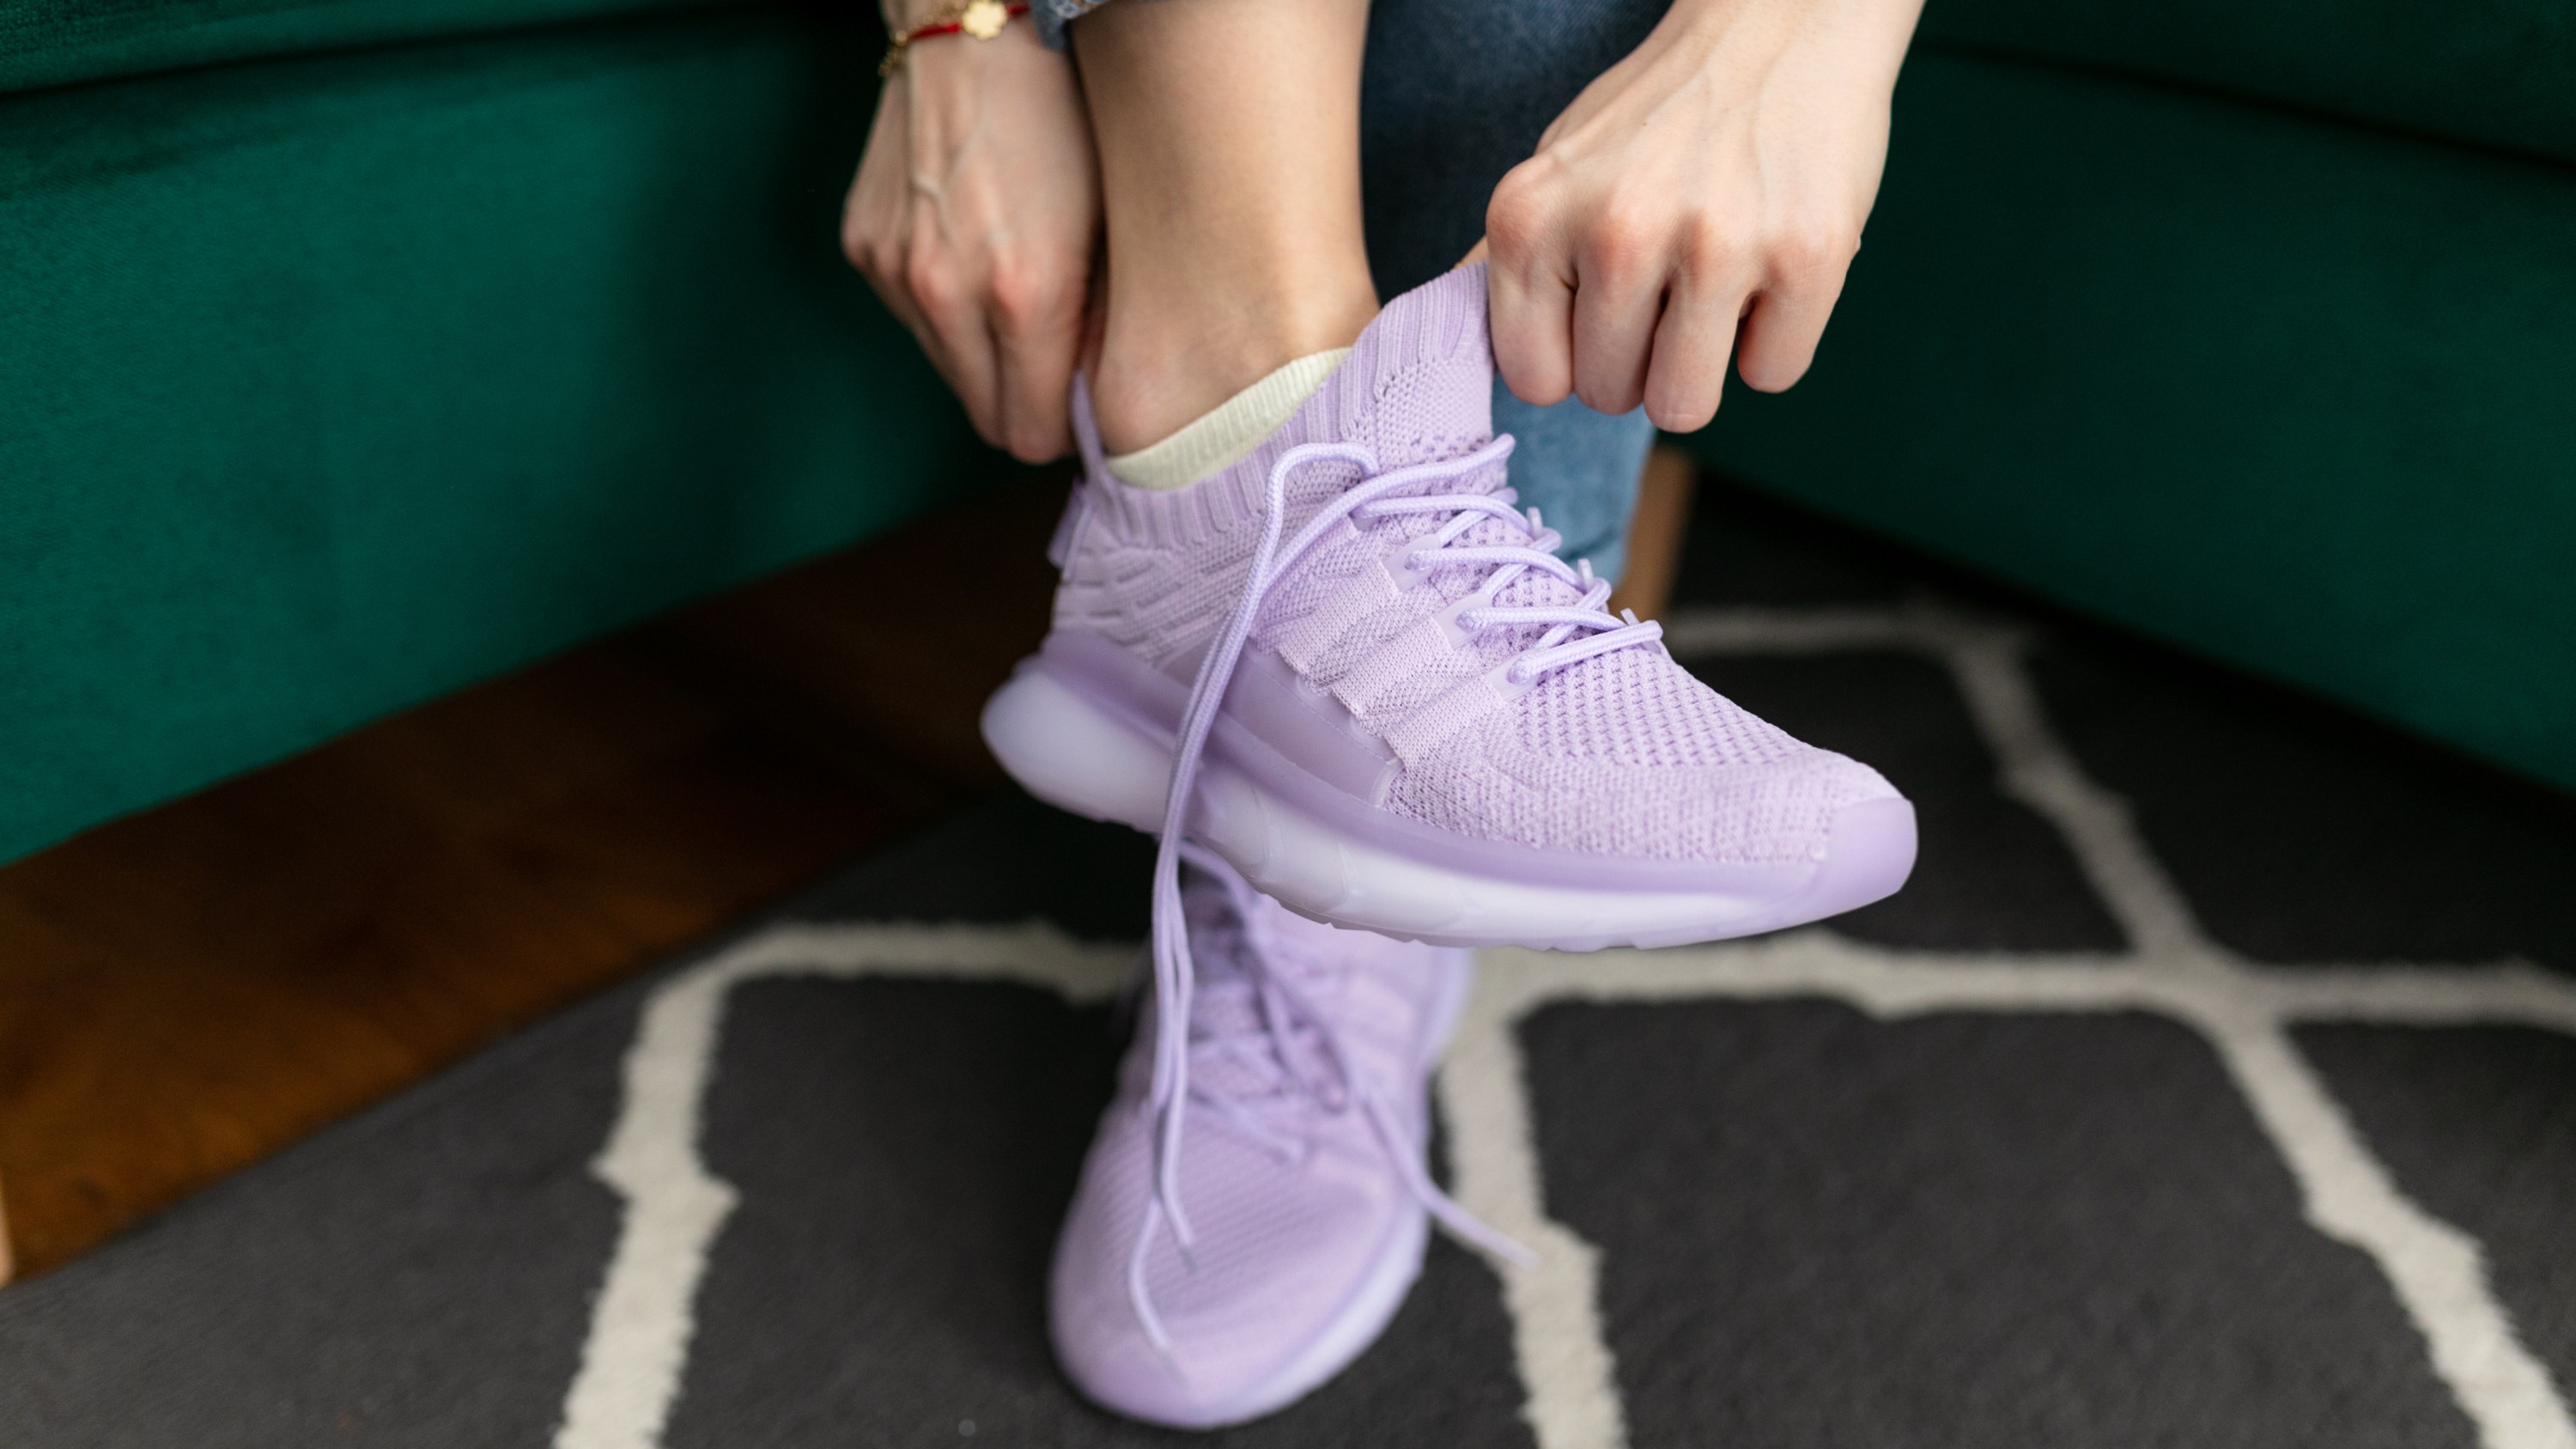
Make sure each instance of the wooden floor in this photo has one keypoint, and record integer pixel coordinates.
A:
(185, 991)
(188, 990)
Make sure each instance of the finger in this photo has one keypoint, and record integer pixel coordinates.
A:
(888, 274)
(873, 238)
(879, 262)
(887, 136)
(1618, 301)
(1787, 321)
(1530, 295)
(872, 214)
(1687, 374)
(967, 361)
(1533, 325)
(1035, 350)
(956, 335)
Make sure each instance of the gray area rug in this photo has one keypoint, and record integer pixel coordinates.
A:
(2213, 1084)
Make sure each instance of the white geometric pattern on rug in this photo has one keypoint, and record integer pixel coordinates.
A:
(637, 1349)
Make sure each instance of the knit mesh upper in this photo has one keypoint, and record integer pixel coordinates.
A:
(1291, 1198)
(1624, 754)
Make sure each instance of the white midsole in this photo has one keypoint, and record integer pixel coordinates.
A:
(1071, 753)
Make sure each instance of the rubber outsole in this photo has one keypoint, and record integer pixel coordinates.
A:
(1073, 754)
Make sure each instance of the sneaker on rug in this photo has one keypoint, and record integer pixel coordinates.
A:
(1351, 667)
(1221, 1294)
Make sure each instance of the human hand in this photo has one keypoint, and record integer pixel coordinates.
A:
(1703, 196)
(975, 214)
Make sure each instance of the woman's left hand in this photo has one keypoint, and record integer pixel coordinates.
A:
(976, 213)
(1701, 198)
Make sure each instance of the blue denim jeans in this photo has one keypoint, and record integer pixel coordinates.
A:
(1455, 93)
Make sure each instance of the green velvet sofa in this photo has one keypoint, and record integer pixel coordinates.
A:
(355, 350)
(2249, 325)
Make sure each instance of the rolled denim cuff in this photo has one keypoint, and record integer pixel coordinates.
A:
(1052, 16)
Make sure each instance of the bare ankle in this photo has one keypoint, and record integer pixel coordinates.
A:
(1162, 367)
(1230, 188)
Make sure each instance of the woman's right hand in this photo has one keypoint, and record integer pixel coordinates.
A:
(975, 215)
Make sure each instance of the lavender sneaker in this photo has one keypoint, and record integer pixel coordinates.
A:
(1352, 668)
(1303, 1116)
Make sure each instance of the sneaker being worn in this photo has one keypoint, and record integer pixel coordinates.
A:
(1303, 1117)
(1353, 669)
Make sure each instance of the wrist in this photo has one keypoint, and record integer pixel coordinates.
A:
(1885, 26)
(978, 21)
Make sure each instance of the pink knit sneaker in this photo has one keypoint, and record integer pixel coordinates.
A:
(1306, 1202)
(1354, 670)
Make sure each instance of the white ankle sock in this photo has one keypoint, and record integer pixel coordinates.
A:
(1220, 438)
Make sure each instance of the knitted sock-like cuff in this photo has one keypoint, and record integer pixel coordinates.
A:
(1224, 436)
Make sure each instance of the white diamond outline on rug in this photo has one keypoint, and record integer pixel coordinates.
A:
(636, 1351)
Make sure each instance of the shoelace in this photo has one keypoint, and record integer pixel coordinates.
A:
(1293, 1062)
(1375, 495)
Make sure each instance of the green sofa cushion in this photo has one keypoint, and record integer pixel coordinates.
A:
(57, 42)
(2496, 72)
(2286, 391)
(339, 382)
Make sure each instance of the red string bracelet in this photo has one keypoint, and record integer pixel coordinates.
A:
(981, 19)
